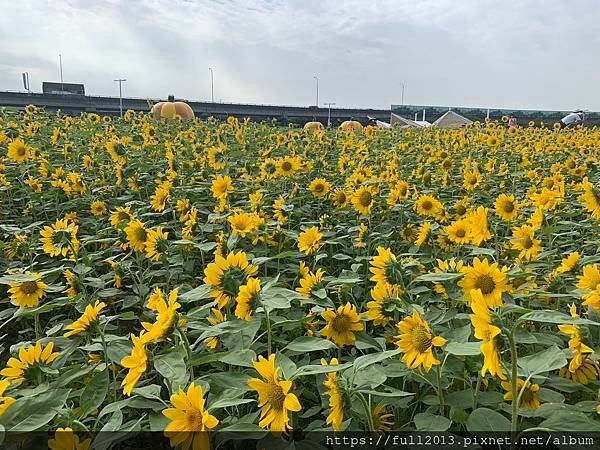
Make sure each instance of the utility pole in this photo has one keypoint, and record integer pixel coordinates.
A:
(212, 85)
(120, 81)
(26, 82)
(62, 87)
(402, 94)
(317, 79)
(329, 105)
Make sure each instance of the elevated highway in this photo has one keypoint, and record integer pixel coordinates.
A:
(76, 104)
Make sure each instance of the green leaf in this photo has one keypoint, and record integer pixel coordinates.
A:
(548, 316)
(388, 392)
(550, 359)
(94, 393)
(172, 367)
(431, 422)
(241, 358)
(316, 369)
(485, 419)
(31, 413)
(439, 276)
(305, 344)
(463, 348)
(199, 293)
(570, 421)
(366, 360)
(226, 402)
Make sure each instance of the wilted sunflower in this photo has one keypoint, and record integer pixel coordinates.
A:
(416, 342)
(319, 187)
(309, 240)
(28, 293)
(28, 366)
(247, 300)
(89, 317)
(341, 324)
(226, 275)
(274, 396)
(488, 278)
(189, 421)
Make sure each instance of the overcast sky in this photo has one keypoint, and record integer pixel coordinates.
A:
(490, 53)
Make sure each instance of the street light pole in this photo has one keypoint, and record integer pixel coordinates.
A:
(402, 94)
(212, 85)
(329, 113)
(317, 79)
(62, 87)
(120, 81)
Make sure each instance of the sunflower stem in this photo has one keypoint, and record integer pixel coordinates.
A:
(513, 381)
(439, 389)
(367, 411)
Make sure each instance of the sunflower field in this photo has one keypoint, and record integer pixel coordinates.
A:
(250, 279)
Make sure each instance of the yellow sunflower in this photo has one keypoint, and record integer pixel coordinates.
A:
(65, 439)
(164, 320)
(89, 317)
(136, 362)
(217, 317)
(98, 208)
(381, 309)
(336, 403)
(221, 186)
(137, 235)
(121, 214)
(484, 330)
(382, 423)
(568, 264)
(5, 402)
(524, 241)
(28, 366)
(529, 398)
(362, 199)
(459, 231)
(156, 243)
(309, 240)
(507, 208)
(189, 421)
(319, 187)
(18, 151)
(274, 396)
(386, 268)
(311, 282)
(491, 280)
(416, 342)
(341, 324)
(340, 198)
(60, 238)
(226, 275)
(242, 223)
(28, 293)
(248, 299)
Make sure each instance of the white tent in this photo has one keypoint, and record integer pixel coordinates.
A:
(402, 122)
(450, 119)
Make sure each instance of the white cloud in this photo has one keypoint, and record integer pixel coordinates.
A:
(471, 52)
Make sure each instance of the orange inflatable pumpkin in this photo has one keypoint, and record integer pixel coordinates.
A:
(351, 125)
(172, 109)
(313, 126)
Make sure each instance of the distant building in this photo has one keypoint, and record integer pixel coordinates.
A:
(49, 87)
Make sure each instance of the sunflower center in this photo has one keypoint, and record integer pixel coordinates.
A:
(426, 205)
(341, 198)
(193, 420)
(461, 233)
(509, 207)
(341, 323)
(286, 166)
(421, 339)
(140, 234)
(527, 242)
(461, 210)
(485, 283)
(365, 198)
(21, 151)
(275, 396)
(319, 188)
(29, 287)
(122, 215)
